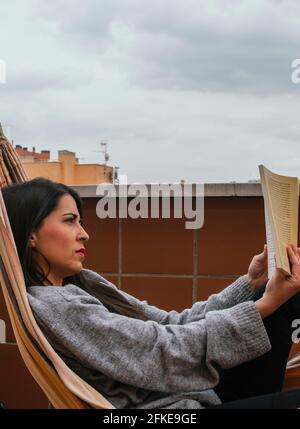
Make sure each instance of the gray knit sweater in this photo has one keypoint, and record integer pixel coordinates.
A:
(169, 361)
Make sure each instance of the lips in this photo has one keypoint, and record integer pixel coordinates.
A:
(81, 251)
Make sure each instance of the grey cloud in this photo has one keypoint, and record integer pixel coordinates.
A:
(177, 90)
(178, 45)
(36, 80)
(88, 23)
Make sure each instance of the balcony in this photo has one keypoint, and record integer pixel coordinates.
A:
(160, 261)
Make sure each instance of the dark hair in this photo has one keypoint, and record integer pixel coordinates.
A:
(27, 205)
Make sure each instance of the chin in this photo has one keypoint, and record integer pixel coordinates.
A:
(74, 270)
(77, 271)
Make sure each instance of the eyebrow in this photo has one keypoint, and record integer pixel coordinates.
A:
(70, 214)
(75, 216)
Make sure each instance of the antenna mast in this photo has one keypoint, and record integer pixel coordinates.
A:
(104, 151)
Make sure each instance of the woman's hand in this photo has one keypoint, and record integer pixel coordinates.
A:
(281, 287)
(258, 269)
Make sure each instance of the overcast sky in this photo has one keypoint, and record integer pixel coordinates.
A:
(179, 89)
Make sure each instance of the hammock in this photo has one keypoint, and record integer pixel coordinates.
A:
(11, 169)
(294, 361)
(63, 388)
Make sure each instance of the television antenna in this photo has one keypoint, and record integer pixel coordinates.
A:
(104, 151)
(107, 158)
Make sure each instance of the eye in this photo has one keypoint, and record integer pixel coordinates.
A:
(70, 220)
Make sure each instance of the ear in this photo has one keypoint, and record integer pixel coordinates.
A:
(32, 240)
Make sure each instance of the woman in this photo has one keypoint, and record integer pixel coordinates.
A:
(135, 354)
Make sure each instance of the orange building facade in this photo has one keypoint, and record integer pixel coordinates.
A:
(66, 170)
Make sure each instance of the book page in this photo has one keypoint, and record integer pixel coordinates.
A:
(281, 196)
(270, 244)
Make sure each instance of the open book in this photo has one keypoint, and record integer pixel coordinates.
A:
(281, 198)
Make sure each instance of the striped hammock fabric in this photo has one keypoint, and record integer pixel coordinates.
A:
(294, 361)
(63, 388)
(11, 169)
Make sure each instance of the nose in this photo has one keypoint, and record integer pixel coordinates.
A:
(83, 235)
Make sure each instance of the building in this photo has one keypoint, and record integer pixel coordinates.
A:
(66, 170)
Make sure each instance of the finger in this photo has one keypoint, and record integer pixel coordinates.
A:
(295, 248)
(293, 256)
(262, 256)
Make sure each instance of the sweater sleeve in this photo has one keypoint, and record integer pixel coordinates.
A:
(239, 291)
(166, 358)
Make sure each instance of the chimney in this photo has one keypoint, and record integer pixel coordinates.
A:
(46, 154)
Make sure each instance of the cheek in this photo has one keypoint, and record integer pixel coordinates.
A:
(57, 240)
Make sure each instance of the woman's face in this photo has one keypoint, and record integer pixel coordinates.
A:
(59, 241)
